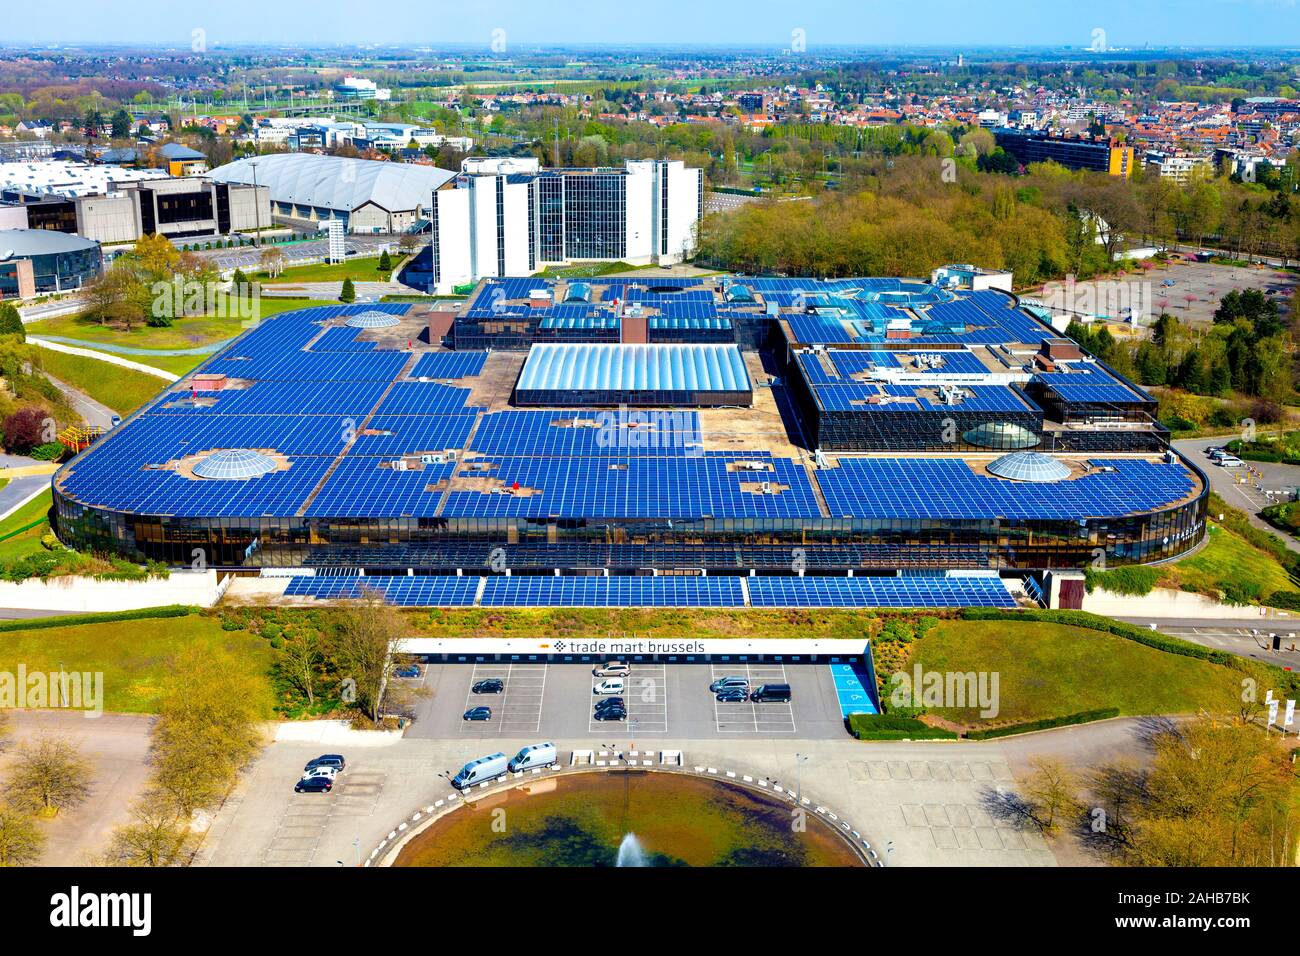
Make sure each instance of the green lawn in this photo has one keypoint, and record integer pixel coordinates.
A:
(1051, 670)
(132, 655)
(184, 333)
(1231, 566)
(121, 389)
(358, 270)
(15, 546)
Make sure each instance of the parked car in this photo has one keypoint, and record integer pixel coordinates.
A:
(1215, 450)
(314, 785)
(775, 693)
(477, 713)
(407, 670)
(327, 760)
(535, 755)
(618, 712)
(612, 669)
(611, 702)
(733, 695)
(1229, 461)
(484, 768)
(610, 685)
(722, 682)
(492, 685)
(330, 772)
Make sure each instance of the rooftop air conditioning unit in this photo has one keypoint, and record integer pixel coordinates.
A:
(399, 464)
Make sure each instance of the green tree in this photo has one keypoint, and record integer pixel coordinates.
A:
(21, 841)
(11, 322)
(48, 776)
(349, 292)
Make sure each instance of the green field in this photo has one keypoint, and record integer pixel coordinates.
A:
(132, 655)
(1051, 670)
(184, 333)
(358, 270)
(121, 389)
(15, 543)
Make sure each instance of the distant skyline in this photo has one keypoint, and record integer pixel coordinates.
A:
(1130, 24)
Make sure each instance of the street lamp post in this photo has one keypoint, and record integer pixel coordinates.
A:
(799, 761)
(257, 210)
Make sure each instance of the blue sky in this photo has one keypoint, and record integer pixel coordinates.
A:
(1127, 23)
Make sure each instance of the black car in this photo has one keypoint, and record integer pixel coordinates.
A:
(478, 713)
(611, 702)
(326, 760)
(314, 785)
(732, 695)
(610, 713)
(492, 685)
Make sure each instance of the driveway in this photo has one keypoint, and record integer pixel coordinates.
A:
(1273, 483)
(919, 804)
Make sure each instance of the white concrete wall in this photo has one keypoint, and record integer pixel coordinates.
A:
(515, 197)
(683, 208)
(1166, 602)
(76, 595)
(455, 262)
(642, 204)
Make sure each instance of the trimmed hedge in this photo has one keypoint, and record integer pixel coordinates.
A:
(1134, 580)
(1095, 622)
(1047, 723)
(1287, 600)
(72, 620)
(886, 727)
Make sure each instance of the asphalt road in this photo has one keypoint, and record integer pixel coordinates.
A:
(1251, 488)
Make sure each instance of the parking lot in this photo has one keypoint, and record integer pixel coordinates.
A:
(552, 700)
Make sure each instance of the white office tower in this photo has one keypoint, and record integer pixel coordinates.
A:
(508, 217)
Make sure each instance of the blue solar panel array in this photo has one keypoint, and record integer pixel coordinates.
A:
(530, 591)
(1089, 383)
(449, 365)
(947, 488)
(662, 591)
(879, 592)
(424, 591)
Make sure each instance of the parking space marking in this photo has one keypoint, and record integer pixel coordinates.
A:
(521, 708)
(747, 717)
(645, 694)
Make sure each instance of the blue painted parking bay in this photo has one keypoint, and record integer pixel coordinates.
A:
(852, 683)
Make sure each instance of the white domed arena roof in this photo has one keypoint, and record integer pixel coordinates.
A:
(374, 319)
(1029, 466)
(234, 463)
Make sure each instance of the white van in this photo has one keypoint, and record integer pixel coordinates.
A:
(612, 669)
(484, 768)
(535, 755)
(1230, 461)
(610, 685)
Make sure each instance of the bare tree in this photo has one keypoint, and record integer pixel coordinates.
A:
(21, 841)
(49, 776)
(1052, 791)
(368, 633)
(299, 660)
(154, 837)
(272, 261)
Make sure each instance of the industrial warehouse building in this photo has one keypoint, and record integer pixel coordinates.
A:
(509, 217)
(367, 195)
(110, 205)
(317, 445)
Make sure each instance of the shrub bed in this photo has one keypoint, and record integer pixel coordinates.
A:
(1047, 723)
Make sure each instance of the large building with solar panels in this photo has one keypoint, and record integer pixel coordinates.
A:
(646, 442)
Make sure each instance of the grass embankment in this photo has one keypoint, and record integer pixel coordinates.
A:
(1230, 566)
(1051, 670)
(121, 389)
(133, 655)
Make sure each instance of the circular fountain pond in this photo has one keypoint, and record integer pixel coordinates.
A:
(627, 818)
